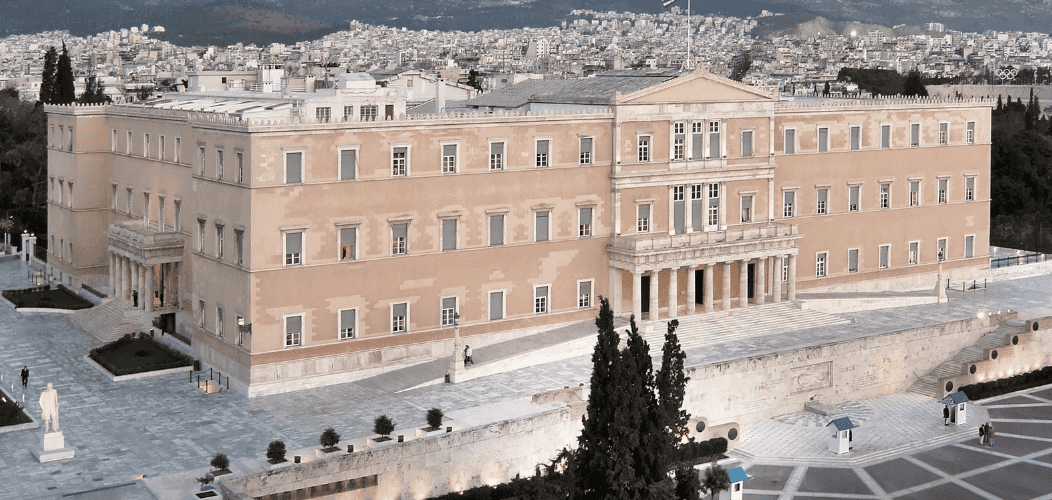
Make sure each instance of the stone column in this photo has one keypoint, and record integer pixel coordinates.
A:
(706, 295)
(743, 283)
(142, 285)
(792, 278)
(113, 275)
(655, 303)
(135, 278)
(673, 293)
(148, 305)
(691, 287)
(125, 279)
(637, 296)
(761, 279)
(726, 286)
(173, 292)
(615, 290)
(776, 287)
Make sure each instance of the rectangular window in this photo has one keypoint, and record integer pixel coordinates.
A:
(584, 294)
(969, 188)
(220, 168)
(399, 317)
(856, 137)
(541, 226)
(697, 207)
(643, 148)
(127, 145)
(178, 216)
(885, 136)
(219, 322)
(113, 200)
(884, 256)
(940, 249)
(323, 114)
(113, 140)
(714, 204)
(714, 139)
(914, 135)
(399, 161)
(746, 209)
(914, 193)
(790, 141)
(145, 209)
(944, 134)
(219, 241)
(823, 200)
(969, 246)
(969, 134)
(823, 139)
(293, 330)
(449, 158)
(747, 143)
(348, 112)
(679, 141)
(201, 235)
(496, 230)
(239, 241)
(697, 140)
(348, 243)
(239, 320)
(679, 216)
(820, 264)
(584, 222)
(293, 249)
(496, 156)
(129, 201)
(943, 184)
(914, 256)
(240, 174)
(788, 205)
(586, 151)
(293, 168)
(348, 320)
(852, 260)
(368, 113)
(200, 159)
(449, 234)
(449, 311)
(540, 299)
(643, 218)
(160, 149)
(400, 238)
(178, 153)
(496, 306)
(852, 198)
(348, 164)
(204, 314)
(542, 153)
(885, 195)
(69, 145)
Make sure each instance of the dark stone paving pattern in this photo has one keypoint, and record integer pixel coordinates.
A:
(1018, 400)
(1021, 414)
(1009, 445)
(899, 474)
(946, 491)
(1043, 430)
(1020, 481)
(833, 480)
(769, 477)
(1046, 393)
(750, 496)
(955, 460)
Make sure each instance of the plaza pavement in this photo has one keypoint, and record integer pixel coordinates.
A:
(166, 429)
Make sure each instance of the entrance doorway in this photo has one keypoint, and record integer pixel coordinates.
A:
(644, 283)
(699, 286)
(752, 279)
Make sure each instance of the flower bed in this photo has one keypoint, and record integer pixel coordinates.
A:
(129, 355)
(11, 413)
(44, 297)
(1014, 383)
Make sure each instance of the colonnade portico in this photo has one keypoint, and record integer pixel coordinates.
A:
(144, 261)
(714, 252)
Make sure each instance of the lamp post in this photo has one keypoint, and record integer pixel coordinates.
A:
(456, 363)
(940, 290)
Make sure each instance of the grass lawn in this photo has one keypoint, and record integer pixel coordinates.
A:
(128, 355)
(61, 298)
(10, 413)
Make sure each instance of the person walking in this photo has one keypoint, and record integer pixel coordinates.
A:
(945, 415)
(990, 432)
(25, 376)
(982, 434)
(467, 355)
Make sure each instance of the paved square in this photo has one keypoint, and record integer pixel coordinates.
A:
(833, 480)
(899, 474)
(956, 460)
(1019, 413)
(768, 477)
(1043, 429)
(1019, 481)
(946, 491)
(1011, 445)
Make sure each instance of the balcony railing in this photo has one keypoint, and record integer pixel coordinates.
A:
(657, 242)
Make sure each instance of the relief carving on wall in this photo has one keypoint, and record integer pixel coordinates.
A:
(810, 377)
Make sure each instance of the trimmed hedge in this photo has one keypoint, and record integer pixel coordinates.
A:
(11, 413)
(128, 355)
(45, 298)
(984, 390)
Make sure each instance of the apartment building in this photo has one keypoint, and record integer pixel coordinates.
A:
(308, 239)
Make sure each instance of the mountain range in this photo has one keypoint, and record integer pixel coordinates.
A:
(223, 22)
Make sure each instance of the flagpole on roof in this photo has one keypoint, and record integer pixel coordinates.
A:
(688, 62)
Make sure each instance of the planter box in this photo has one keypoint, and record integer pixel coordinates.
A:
(207, 493)
(323, 452)
(279, 465)
(135, 376)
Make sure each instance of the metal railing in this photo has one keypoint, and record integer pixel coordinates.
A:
(650, 242)
(966, 285)
(1018, 260)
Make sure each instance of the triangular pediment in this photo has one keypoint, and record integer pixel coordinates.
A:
(698, 86)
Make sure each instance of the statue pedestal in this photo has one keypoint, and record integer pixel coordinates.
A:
(53, 446)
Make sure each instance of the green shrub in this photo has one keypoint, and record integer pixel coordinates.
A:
(206, 479)
(434, 418)
(383, 425)
(328, 438)
(1017, 382)
(220, 462)
(276, 451)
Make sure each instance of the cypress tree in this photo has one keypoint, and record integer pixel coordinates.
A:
(65, 92)
(641, 416)
(671, 384)
(1000, 105)
(47, 78)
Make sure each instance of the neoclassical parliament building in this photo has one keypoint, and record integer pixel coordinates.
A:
(307, 238)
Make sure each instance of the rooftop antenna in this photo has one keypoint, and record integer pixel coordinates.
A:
(688, 62)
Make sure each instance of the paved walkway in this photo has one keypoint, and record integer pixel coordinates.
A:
(168, 430)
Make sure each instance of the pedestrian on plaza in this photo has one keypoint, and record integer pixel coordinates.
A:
(945, 415)
(467, 355)
(25, 376)
(990, 432)
(982, 434)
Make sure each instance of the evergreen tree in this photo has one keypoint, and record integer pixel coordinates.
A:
(641, 417)
(688, 483)
(47, 79)
(825, 90)
(671, 384)
(913, 86)
(65, 92)
(474, 81)
(94, 92)
(1000, 105)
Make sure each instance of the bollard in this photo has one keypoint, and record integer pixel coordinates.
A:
(228, 382)
(209, 373)
(350, 448)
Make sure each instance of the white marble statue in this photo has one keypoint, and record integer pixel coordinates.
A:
(49, 408)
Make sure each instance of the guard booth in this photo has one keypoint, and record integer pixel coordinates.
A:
(737, 477)
(957, 402)
(840, 439)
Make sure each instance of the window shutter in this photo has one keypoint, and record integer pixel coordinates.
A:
(644, 211)
(696, 208)
(790, 142)
(449, 150)
(294, 324)
(449, 234)
(789, 195)
(348, 159)
(584, 288)
(348, 239)
(823, 195)
(542, 291)
(885, 136)
(542, 147)
(542, 226)
(586, 216)
(852, 257)
(293, 242)
(679, 216)
(746, 143)
(586, 145)
(399, 309)
(293, 168)
(449, 303)
(347, 319)
(697, 146)
(399, 230)
(496, 305)
(496, 148)
(496, 230)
